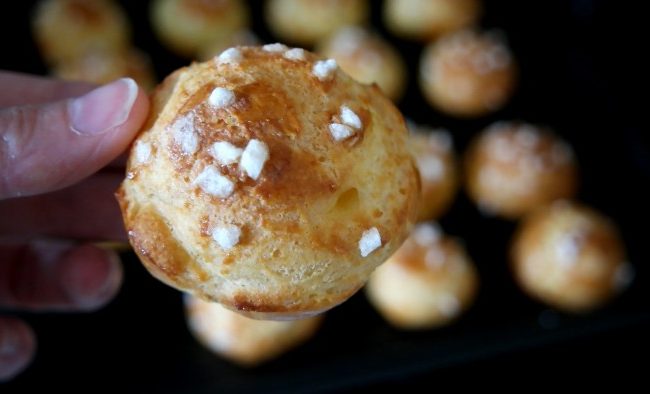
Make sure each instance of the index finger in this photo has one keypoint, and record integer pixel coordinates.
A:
(21, 89)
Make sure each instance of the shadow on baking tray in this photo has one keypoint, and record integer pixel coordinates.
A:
(571, 78)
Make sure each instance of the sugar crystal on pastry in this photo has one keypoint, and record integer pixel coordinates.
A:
(324, 69)
(142, 152)
(276, 47)
(295, 54)
(212, 182)
(226, 236)
(230, 56)
(254, 157)
(340, 131)
(184, 135)
(225, 152)
(369, 242)
(350, 118)
(221, 97)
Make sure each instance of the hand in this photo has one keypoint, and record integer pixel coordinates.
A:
(54, 138)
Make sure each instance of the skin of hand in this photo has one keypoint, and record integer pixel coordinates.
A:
(60, 164)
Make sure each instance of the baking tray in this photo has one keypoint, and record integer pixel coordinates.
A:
(572, 79)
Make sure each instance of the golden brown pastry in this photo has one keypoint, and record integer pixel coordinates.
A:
(512, 168)
(305, 22)
(242, 340)
(102, 67)
(434, 156)
(468, 74)
(189, 26)
(367, 58)
(570, 257)
(427, 283)
(428, 19)
(65, 30)
(270, 181)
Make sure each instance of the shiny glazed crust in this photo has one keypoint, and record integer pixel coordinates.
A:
(301, 221)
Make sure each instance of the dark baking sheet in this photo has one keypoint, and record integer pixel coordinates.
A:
(580, 67)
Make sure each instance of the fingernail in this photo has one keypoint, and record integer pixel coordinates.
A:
(90, 295)
(114, 280)
(104, 108)
(17, 346)
(8, 342)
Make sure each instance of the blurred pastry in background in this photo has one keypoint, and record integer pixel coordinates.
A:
(512, 168)
(242, 340)
(434, 156)
(188, 26)
(570, 257)
(368, 58)
(66, 30)
(427, 283)
(305, 22)
(244, 37)
(468, 74)
(427, 19)
(104, 66)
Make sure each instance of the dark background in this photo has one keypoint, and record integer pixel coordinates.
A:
(582, 73)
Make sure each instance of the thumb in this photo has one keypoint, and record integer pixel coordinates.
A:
(50, 146)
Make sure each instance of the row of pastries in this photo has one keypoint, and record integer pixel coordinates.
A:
(463, 71)
(563, 253)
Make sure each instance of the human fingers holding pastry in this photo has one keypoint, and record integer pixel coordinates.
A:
(55, 137)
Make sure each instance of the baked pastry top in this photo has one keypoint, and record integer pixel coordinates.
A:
(268, 180)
